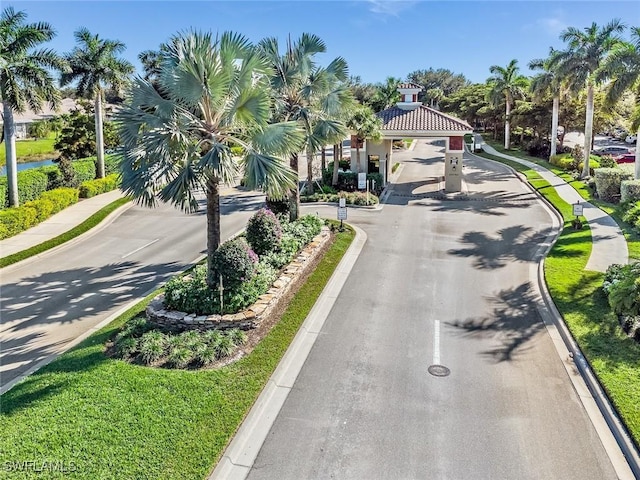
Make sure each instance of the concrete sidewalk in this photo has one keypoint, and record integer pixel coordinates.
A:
(59, 223)
(609, 244)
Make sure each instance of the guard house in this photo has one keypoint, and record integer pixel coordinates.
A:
(410, 119)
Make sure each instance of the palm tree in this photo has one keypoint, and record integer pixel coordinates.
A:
(587, 50)
(548, 82)
(177, 139)
(623, 68)
(387, 94)
(435, 95)
(95, 66)
(507, 83)
(25, 79)
(364, 124)
(311, 95)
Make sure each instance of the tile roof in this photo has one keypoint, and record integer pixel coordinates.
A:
(410, 85)
(422, 119)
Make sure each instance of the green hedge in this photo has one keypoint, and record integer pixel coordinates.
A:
(91, 188)
(19, 219)
(630, 190)
(566, 162)
(31, 184)
(608, 183)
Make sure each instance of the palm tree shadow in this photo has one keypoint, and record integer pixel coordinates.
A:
(513, 323)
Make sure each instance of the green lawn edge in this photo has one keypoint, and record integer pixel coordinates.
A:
(76, 231)
(109, 419)
(578, 295)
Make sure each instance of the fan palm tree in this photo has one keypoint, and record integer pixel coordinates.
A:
(507, 83)
(435, 95)
(623, 69)
(586, 51)
(548, 82)
(386, 95)
(364, 124)
(310, 95)
(213, 94)
(25, 79)
(95, 66)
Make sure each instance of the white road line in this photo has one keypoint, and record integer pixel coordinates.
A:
(138, 249)
(436, 342)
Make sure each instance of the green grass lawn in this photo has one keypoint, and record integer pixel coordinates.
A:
(115, 420)
(31, 150)
(577, 293)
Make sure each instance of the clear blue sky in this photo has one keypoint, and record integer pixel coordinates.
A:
(377, 38)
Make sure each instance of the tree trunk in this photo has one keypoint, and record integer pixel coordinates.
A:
(310, 156)
(323, 159)
(99, 137)
(358, 163)
(294, 194)
(12, 160)
(336, 164)
(507, 125)
(554, 125)
(637, 162)
(213, 227)
(588, 131)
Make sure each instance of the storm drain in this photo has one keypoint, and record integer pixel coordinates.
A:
(439, 371)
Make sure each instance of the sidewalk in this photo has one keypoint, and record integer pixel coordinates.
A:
(609, 244)
(58, 224)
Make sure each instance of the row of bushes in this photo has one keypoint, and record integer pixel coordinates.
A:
(568, 163)
(35, 181)
(348, 181)
(91, 188)
(615, 184)
(351, 198)
(241, 274)
(29, 214)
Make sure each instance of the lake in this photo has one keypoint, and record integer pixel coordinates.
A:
(28, 165)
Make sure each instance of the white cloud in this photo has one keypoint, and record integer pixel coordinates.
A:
(389, 7)
(552, 25)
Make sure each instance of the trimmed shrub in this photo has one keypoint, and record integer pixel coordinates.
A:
(623, 289)
(112, 164)
(630, 190)
(263, 231)
(235, 262)
(280, 207)
(538, 148)
(607, 161)
(91, 188)
(190, 293)
(85, 169)
(608, 182)
(632, 213)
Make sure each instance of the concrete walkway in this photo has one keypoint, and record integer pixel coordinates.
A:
(609, 244)
(59, 223)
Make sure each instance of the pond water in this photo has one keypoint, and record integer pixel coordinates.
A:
(28, 165)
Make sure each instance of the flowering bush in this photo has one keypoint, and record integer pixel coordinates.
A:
(264, 231)
(235, 262)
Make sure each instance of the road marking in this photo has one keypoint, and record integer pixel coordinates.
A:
(138, 249)
(436, 342)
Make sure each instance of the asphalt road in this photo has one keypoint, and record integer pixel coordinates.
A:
(441, 280)
(50, 301)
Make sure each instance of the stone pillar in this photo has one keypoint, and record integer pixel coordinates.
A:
(453, 164)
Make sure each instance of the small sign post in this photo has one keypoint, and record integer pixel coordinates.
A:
(342, 215)
(362, 180)
(577, 211)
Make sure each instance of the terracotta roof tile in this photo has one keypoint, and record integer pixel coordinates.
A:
(421, 119)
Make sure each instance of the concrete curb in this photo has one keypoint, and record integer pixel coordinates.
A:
(238, 458)
(614, 437)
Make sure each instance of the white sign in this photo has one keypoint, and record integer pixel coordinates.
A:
(342, 202)
(342, 213)
(577, 209)
(362, 180)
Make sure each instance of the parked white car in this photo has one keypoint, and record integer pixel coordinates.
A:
(631, 139)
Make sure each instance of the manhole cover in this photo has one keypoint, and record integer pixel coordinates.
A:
(439, 370)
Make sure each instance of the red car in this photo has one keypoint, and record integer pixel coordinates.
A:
(625, 158)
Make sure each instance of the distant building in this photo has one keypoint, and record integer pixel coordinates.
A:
(22, 120)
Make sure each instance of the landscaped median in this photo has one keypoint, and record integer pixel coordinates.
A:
(107, 418)
(578, 294)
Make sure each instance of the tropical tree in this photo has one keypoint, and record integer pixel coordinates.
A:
(25, 79)
(311, 95)
(507, 83)
(435, 96)
(177, 139)
(364, 124)
(95, 66)
(387, 94)
(622, 67)
(580, 63)
(548, 82)
(442, 78)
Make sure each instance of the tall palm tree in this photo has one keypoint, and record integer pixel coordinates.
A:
(622, 67)
(586, 51)
(364, 124)
(386, 95)
(25, 79)
(435, 95)
(310, 95)
(177, 139)
(95, 66)
(548, 82)
(506, 82)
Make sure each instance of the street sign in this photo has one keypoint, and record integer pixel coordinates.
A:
(342, 213)
(577, 209)
(342, 202)
(362, 180)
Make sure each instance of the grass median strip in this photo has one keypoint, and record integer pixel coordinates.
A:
(85, 226)
(577, 293)
(112, 419)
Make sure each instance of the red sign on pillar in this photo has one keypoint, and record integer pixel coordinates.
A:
(455, 143)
